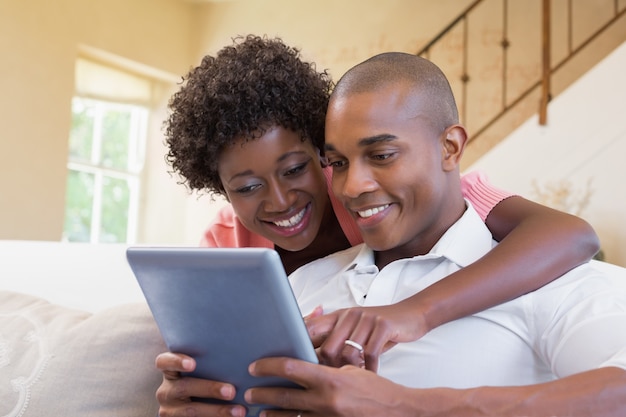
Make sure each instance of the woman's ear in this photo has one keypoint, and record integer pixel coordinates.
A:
(224, 194)
(454, 140)
(323, 158)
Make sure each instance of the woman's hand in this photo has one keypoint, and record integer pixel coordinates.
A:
(181, 396)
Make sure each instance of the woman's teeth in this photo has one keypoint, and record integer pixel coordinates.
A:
(370, 212)
(292, 221)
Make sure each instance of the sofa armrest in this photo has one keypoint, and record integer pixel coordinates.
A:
(58, 361)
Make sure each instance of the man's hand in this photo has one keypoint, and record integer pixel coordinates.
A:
(376, 329)
(329, 392)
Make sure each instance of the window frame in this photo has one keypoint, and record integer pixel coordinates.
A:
(132, 175)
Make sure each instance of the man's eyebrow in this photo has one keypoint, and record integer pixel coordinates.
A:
(371, 140)
(384, 137)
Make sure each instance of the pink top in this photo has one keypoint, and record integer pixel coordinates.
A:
(226, 230)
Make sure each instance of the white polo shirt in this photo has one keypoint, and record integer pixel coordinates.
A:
(575, 323)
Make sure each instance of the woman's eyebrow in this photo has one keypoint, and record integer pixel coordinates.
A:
(239, 174)
(288, 154)
(249, 172)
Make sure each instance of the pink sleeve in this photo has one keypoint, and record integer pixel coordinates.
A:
(226, 231)
(347, 223)
(481, 193)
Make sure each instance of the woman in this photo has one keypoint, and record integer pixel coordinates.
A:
(248, 124)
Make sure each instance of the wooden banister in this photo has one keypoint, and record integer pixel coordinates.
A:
(547, 70)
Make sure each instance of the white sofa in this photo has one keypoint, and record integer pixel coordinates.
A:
(76, 336)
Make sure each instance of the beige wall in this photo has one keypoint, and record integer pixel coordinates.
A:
(39, 41)
(334, 34)
(580, 150)
(338, 34)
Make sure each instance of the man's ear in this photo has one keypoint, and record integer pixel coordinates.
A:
(454, 140)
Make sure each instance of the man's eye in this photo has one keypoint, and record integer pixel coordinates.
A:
(336, 164)
(381, 156)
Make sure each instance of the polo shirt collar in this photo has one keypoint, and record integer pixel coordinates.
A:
(464, 242)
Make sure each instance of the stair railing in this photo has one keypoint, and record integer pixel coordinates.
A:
(462, 22)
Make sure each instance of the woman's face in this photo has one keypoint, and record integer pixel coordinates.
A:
(276, 186)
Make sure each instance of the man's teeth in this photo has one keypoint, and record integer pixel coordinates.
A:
(372, 211)
(292, 221)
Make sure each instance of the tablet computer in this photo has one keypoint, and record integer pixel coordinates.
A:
(225, 308)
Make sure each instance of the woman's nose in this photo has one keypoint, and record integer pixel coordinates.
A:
(279, 197)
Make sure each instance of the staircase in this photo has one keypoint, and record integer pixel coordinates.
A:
(505, 59)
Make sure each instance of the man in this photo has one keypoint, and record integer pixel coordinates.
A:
(394, 143)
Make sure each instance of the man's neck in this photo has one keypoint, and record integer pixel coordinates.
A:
(383, 258)
(420, 244)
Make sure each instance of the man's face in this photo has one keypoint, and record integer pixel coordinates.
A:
(388, 168)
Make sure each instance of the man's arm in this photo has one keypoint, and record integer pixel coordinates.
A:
(350, 392)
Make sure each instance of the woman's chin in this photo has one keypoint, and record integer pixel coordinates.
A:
(294, 243)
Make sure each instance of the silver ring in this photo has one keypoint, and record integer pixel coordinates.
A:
(354, 344)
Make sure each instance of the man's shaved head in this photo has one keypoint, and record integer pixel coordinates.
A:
(417, 73)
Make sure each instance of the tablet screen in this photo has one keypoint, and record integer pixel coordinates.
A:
(225, 307)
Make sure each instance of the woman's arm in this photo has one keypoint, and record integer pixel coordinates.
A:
(537, 245)
(226, 231)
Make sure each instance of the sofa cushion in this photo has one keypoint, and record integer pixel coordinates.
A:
(58, 361)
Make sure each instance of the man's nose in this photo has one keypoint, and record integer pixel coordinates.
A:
(358, 180)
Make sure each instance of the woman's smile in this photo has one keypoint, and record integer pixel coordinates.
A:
(293, 224)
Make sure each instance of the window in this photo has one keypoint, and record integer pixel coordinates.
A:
(106, 151)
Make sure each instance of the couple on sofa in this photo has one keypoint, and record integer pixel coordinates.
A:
(377, 159)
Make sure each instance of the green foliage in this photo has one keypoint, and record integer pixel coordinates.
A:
(114, 210)
(115, 139)
(78, 206)
(81, 134)
(98, 189)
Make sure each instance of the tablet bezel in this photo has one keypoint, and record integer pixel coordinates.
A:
(226, 307)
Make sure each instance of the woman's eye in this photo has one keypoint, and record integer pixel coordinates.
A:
(295, 170)
(247, 189)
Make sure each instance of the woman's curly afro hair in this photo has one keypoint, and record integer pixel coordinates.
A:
(255, 84)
